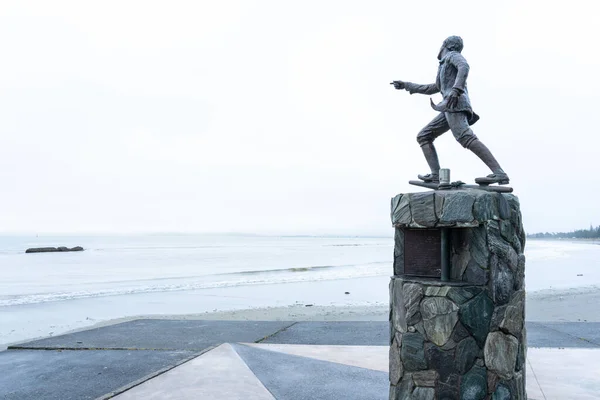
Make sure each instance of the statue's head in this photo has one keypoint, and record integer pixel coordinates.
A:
(452, 43)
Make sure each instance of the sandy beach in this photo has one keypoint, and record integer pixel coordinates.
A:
(574, 305)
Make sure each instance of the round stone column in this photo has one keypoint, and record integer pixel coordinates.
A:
(463, 338)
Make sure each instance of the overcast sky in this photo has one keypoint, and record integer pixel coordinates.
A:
(278, 117)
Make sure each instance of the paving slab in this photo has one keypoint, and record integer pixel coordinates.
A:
(375, 333)
(580, 331)
(75, 374)
(566, 373)
(562, 334)
(355, 333)
(534, 390)
(161, 334)
(217, 374)
(290, 377)
(370, 357)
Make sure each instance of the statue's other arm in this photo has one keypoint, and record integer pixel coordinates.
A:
(463, 71)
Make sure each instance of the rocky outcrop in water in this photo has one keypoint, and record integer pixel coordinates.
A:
(52, 249)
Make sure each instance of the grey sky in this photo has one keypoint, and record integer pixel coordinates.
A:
(277, 116)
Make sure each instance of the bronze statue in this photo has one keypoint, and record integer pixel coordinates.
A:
(456, 113)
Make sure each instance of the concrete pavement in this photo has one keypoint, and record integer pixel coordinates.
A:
(284, 360)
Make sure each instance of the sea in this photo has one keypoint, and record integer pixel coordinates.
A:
(127, 265)
(126, 275)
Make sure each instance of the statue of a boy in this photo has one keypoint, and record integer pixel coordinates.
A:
(456, 113)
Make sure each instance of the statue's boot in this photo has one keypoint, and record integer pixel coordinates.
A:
(434, 163)
(499, 176)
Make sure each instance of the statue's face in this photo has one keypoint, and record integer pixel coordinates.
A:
(443, 51)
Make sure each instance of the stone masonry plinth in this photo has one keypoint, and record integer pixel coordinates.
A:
(463, 338)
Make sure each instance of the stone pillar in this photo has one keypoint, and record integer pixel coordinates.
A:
(464, 338)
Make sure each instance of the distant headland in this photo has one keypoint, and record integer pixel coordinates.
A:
(591, 233)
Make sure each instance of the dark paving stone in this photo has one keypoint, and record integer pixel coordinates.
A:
(290, 377)
(74, 374)
(540, 336)
(198, 335)
(376, 333)
(360, 333)
(563, 334)
(162, 334)
(587, 331)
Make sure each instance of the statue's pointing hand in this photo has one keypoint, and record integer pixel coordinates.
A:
(399, 84)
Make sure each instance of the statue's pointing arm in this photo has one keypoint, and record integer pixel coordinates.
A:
(422, 89)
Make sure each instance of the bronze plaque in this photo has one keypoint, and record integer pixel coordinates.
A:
(422, 252)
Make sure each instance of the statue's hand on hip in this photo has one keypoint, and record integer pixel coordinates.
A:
(453, 98)
(399, 84)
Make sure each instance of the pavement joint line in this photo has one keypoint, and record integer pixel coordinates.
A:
(568, 334)
(96, 348)
(154, 374)
(536, 379)
(276, 332)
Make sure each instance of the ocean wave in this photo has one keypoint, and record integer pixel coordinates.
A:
(270, 277)
(274, 271)
(300, 269)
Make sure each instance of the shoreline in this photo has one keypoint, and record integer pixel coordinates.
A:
(549, 305)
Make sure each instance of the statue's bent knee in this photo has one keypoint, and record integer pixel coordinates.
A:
(467, 138)
(424, 138)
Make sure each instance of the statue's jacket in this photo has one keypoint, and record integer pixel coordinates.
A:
(452, 74)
